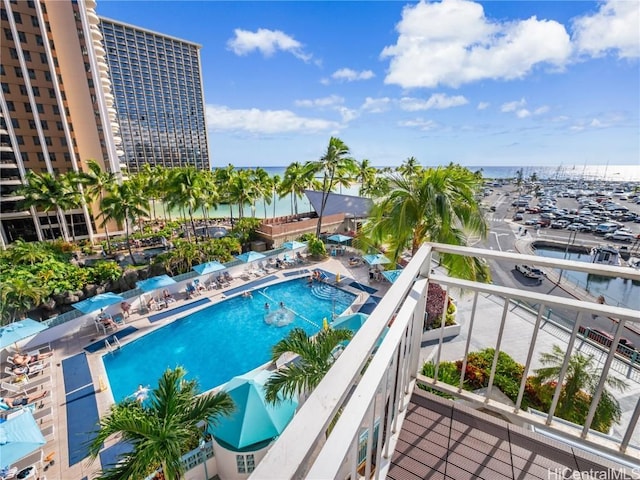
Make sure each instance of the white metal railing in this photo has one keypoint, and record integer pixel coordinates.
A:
(340, 419)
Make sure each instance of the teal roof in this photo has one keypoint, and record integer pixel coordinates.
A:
(254, 420)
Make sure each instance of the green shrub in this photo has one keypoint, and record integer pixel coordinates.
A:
(104, 271)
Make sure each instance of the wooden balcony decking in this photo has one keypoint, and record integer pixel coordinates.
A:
(441, 439)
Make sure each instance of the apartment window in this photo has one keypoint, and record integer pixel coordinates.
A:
(27, 107)
(44, 124)
(36, 140)
(18, 72)
(67, 157)
(31, 4)
(32, 73)
(7, 34)
(32, 124)
(20, 139)
(36, 91)
(47, 75)
(43, 57)
(56, 109)
(13, 53)
(48, 141)
(39, 40)
(15, 123)
(27, 55)
(40, 156)
(25, 156)
(52, 93)
(5, 87)
(2, 72)
(11, 106)
(52, 156)
(40, 107)
(3, 14)
(59, 126)
(63, 141)
(17, 17)
(23, 37)
(34, 21)
(23, 90)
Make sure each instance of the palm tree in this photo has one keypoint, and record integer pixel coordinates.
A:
(276, 181)
(161, 429)
(19, 295)
(582, 377)
(70, 196)
(333, 165)
(185, 191)
(43, 191)
(124, 204)
(96, 182)
(316, 357)
(409, 167)
(297, 178)
(366, 176)
(437, 205)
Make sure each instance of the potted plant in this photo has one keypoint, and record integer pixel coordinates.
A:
(436, 298)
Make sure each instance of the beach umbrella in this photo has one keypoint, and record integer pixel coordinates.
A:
(208, 267)
(14, 332)
(339, 238)
(250, 256)
(153, 283)
(376, 259)
(391, 275)
(293, 245)
(97, 302)
(254, 420)
(19, 436)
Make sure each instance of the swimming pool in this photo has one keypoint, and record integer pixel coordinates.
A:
(224, 340)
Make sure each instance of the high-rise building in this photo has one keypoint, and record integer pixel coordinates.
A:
(157, 85)
(56, 112)
(77, 87)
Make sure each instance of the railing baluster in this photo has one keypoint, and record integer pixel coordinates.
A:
(494, 365)
(527, 365)
(468, 343)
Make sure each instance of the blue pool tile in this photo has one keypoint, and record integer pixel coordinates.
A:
(95, 346)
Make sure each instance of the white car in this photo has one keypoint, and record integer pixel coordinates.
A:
(530, 272)
(620, 236)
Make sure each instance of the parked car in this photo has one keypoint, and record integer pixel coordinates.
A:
(530, 272)
(518, 217)
(620, 236)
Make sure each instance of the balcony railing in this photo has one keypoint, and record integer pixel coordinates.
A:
(336, 432)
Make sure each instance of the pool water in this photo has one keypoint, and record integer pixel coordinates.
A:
(227, 339)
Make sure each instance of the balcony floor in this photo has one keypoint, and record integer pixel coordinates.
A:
(441, 439)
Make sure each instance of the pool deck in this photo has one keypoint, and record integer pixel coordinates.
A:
(73, 345)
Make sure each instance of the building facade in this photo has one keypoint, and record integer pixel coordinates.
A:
(56, 112)
(157, 85)
(77, 87)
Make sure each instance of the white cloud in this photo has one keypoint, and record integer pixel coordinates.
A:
(419, 123)
(523, 113)
(513, 106)
(329, 101)
(613, 28)
(541, 110)
(349, 75)
(376, 105)
(266, 42)
(453, 43)
(483, 105)
(222, 118)
(347, 114)
(439, 101)
(560, 118)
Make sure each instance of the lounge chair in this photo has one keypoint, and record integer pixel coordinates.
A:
(228, 277)
(100, 325)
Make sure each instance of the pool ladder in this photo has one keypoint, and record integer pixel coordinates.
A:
(112, 346)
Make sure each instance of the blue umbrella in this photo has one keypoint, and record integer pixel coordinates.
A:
(293, 245)
(19, 436)
(391, 275)
(254, 420)
(376, 259)
(208, 267)
(97, 302)
(339, 238)
(16, 331)
(250, 256)
(153, 283)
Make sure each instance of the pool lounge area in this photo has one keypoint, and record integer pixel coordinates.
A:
(79, 407)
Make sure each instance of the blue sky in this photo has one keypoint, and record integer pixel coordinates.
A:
(476, 83)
